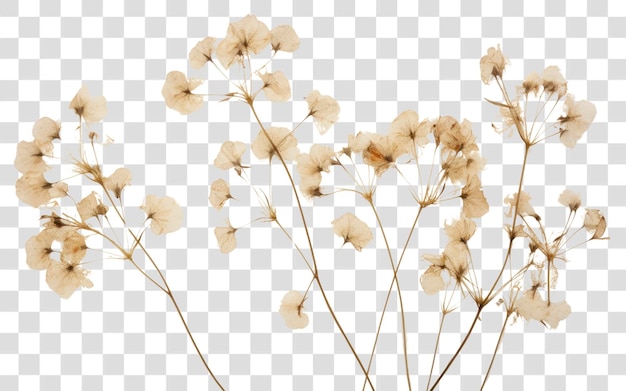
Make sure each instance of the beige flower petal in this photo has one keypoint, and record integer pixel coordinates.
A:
(352, 230)
(276, 86)
(33, 189)
(226, 238)
(245, 36)
(220, 193)
(474, 202)
(292, 310)
(492, 64)
(91, 206)
(90, 109)
(29, 157)
(570, 199)
(406, 128)
(38, 250)
(64, 278)
(201, 53)
(166, 214)
(431, 280)
(117, 181)
(283, 140)
(177, 93)
(554, 82)
(324, 109)
(230, 156)
(284, 38)
(45, 130)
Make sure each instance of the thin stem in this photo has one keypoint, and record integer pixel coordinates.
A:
(495, 351)
(432, 365)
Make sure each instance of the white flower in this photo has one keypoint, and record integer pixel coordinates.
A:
(165, 213)
(88, 108)
(276, 86)
(284, 38)
(220, 193)
(324, 110)
(352, 230)
(201, 53)
(177, 93)
(291, 309)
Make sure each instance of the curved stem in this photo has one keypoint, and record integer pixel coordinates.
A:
(495, 351)
(432, 365)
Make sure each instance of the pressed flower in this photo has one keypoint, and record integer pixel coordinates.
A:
(165, 213)
(33, 189)
(431, 280)
(226, 238)
(230, 156)
(492, 64)
(474, 202)
(201, 53)
(510, 118)
(407, 129)
(292, 310)
(177, 93)
(579, 115)
(91, 206)
(554, 82)
(460, 168)
(45, 130)
(532, 83)
(460, 230)
(310, 185)
(29, 157)
(324, 109)
(38, 250)
(532, 306)
(443, 125)
(65, 277)
(284, 141)
(245, 36)
(352, 230)
(523, 205)
(382, 152)
(455, 259)
(220, 193)
(73, 247)
(276, 86)
(284, 38)
(595, 223)
(459, 139)
(570, 199)
(557, 311)
(88, 108)
(117, 181)
(319, 158)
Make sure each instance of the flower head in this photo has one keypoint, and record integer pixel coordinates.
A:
(459, 139)
(230, 156)
(220, 193)
(65, 277)
(245, 36)
(554, 82)
(570, 199)
(407, 129)
(492, 64)
(38, 250)
(29, 156)
(91, 206)
(291, 309)
(226, 238)
(117, 181)
(324, 110)
(177, 93)
(532, 84)
(319, 158)
(165, 213)
(352, 230)
(460, 230)
(33, 189)
(284, 38)
(201, 53)
(474, 201)
(285, 142)
(523, 206)
(88, 108)
(383, 151)
(276, 86)
(595, 223)
(45, 130)
(431, 280)
(579, 115)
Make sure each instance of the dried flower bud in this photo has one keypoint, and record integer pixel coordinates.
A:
(492, 64)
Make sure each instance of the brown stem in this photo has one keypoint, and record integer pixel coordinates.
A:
(495, 351)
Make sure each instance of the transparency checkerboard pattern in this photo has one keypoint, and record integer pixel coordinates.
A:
(377, 59)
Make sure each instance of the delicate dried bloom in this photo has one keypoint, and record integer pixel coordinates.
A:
(492, 64)
(553, 81)
(226, 238)
(230, 156)
(532, 83)
(556, 313)
(324, 109)
(220, 193)
(579, 115)
(510, 118)
(407, 129)
(460, 139)
(74, 247)
(595, 223)
(33, 189)
(571, 199)
(283, 140)
(456, 262)
(382, 152)
(460, 168)
(38, 250)
(460, 230)
(443, 125)
(532, 306)
(284, 38)
(523, 205)
(65, 277)
(245, 36)
(352, 230)
(88, 108)
(166, 214)
(310, 185)
(91, 206)
(359, 142)
(474, 202)
(117, 181)
(319, 159)
(515, 233)
(177, 93)
(431, 280)
(201, 53)
(291, 309)
(276, 86)
(45, 130)
(29, 157)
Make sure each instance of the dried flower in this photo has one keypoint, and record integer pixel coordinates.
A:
(579, 115)
(532, 83)
(532, 306)
(284, 38)
(352, 230)
(88, 108)
(33, 189)
(230, 156)
(383, 151)
(65, 277)
(595, 223)
(226, 238)
(45, 130)
(201, 53)
(177, 93)
(407, 129)
(91, 206)
(554, 82)
(73, 247)
(431, 280)
(474, 202)
(523, 205)
(460, 168)
(324, 110)
(245, 36)
(455, 259)
(291, 309)
(459, 139)
(276, 86)
(220, 193)
(310, 185)
(284, 141)
(571, 199)
(166, 214)
(319, 159)
(492, 64)
(460, 230)
(38, 250)
(443, 125)
(29, 157)
(117, 181)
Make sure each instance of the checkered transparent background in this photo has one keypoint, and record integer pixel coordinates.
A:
(377, 59)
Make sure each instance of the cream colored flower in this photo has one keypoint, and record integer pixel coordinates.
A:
(177, 93)
(73, 247)
(310, 185)
(117, 181)
(455, 259)
(319, 158)
(474, 202)
(65, 277)
(443, 125)
(492, 64)
(460, 230)
(230, 156)
(276, 86)
(220, 193)
(284, 38)
(33, 189)
(284, 141)
(460, 168)
(557, 311)
(431, 280)
(406, 128)
(532, 306)
(226, 238)
(352, 230)
(292, 310)
(459, 139)
(29, 157)
(570, 199)
(38, 250)
(554, 82)
(595, 223)
(579, 115)
(532, 83)
(91, 206)
(383, 151)
(166, 214)
(243, 37)
(523, 206)
(45, 130)
(201, 53)
(324, 110)
(88, 108)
